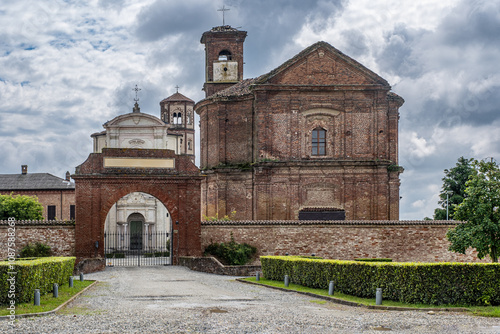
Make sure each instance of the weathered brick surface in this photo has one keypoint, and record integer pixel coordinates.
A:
(98, 188)
(423, 241)
(59, 235)
(411, 241)
(266, 125)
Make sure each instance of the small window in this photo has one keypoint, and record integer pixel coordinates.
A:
(72, 214)
(224, 55)
(51, 212)
(319, 142)
(179, 118)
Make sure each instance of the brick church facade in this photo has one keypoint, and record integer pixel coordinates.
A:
(319, 132)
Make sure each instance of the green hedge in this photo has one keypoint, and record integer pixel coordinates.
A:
(40, 274)
(426, 283)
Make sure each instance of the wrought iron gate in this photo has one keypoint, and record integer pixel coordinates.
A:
(137, 249)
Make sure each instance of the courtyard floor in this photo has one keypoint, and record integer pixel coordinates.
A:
(172, 299)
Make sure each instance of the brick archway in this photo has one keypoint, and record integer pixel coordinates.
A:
(99, 184)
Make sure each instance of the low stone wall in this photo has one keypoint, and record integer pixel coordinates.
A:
(89, 265)
(405, 241)
(213, 266)
(59, 235)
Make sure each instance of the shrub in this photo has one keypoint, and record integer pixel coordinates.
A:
(374, 260)
(217, 218)
(21, 207)
(35, 250)
(40, 274)
(231, 253)
(426, 283)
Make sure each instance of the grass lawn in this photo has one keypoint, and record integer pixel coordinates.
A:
(47, 301)
(486, 311)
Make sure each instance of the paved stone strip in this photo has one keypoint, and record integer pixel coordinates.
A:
(176, 300)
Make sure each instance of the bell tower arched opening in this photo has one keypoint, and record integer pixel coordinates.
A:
(223, 58)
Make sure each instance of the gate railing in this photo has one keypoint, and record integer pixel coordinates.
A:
(137, 249)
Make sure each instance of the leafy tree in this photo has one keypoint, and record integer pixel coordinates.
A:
(21, 207)
(480, 210)
(453, 185)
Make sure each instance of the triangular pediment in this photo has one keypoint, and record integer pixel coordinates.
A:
(322, 64)
(134, 119)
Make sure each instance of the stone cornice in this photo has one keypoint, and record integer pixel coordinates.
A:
(333, 222)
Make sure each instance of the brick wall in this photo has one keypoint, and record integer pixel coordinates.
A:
(405, 241)
(59, 235)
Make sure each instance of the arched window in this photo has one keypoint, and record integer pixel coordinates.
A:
(179, 118)
(174, 121)
(224, 55)
(318, 142)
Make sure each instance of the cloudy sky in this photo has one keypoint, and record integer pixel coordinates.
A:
(66, 67)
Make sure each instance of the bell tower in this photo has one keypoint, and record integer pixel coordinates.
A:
(177, 112)
(223, 58)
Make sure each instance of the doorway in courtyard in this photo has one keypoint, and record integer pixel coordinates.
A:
(137, 232)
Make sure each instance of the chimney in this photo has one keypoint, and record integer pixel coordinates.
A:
(68, 176)
(24, 169)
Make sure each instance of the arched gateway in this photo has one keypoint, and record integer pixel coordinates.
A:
(136, 153)
(106, 177)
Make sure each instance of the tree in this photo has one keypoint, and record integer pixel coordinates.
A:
(21, 207)
(481, 213)
(453, 185)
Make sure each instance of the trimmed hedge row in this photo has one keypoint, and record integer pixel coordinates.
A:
(41, 274)
(414, 283)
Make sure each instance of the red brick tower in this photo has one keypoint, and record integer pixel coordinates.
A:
(319, 133)
(223, 58)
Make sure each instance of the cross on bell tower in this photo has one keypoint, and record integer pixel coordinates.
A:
(223, 10)
(136, 105)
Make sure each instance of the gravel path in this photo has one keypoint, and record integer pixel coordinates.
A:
(176, 300)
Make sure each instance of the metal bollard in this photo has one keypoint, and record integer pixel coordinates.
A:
(71, 281)
(378, 296)
(287, 281)
(331, 288)
(81, 277)
(55, 290)
(257, 276)
(37, 297)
